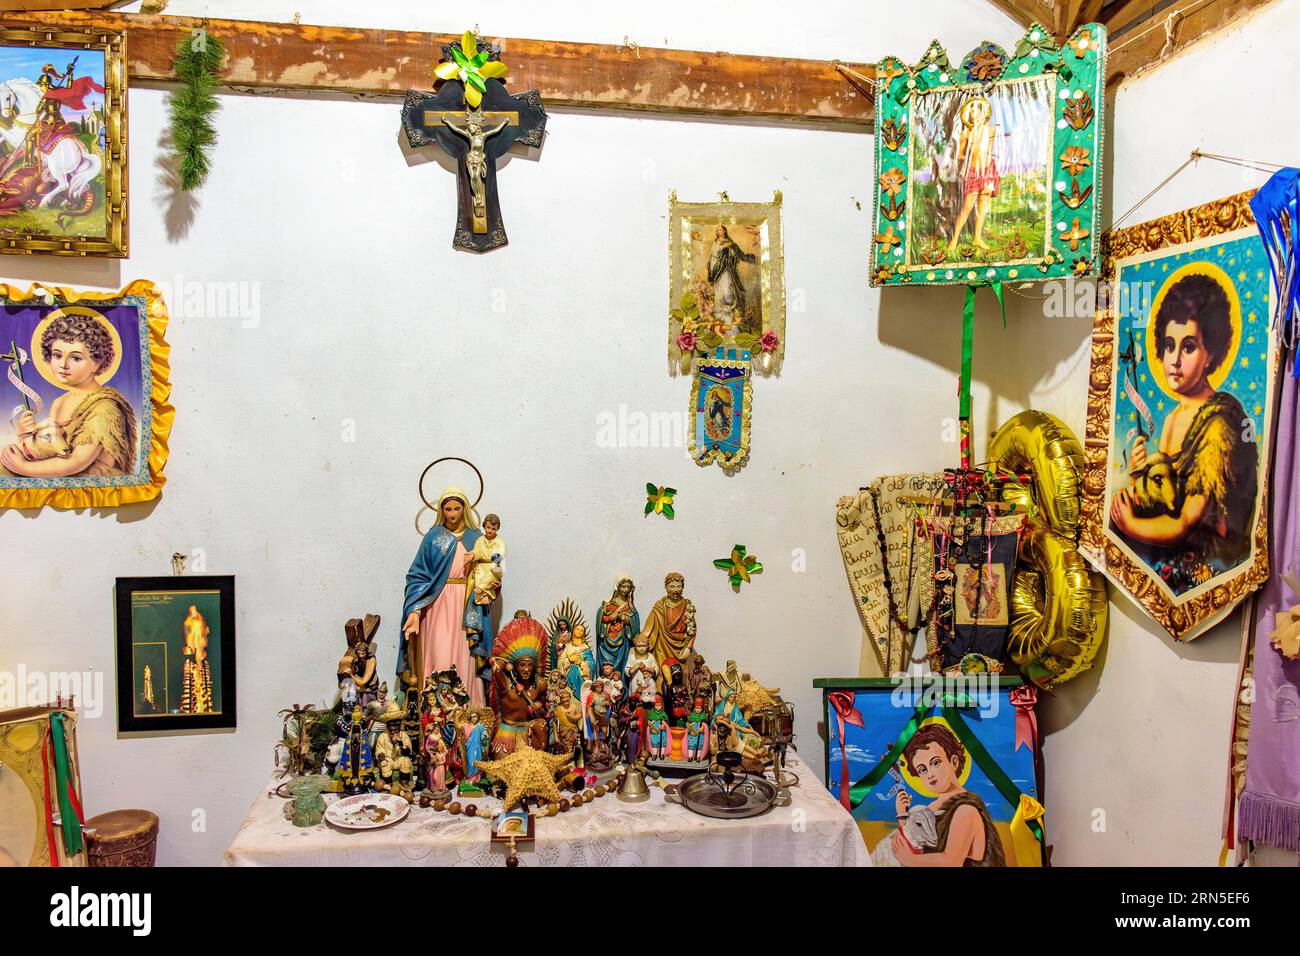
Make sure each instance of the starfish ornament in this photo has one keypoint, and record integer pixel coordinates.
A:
(527, 773)
(739, 566)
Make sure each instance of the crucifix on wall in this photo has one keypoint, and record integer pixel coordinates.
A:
(474, 119)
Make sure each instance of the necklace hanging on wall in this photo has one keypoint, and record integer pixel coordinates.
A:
(474, 120)
(727, 288)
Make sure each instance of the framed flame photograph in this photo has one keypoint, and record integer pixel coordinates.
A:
(1180, 414)
(175, 653)
(63, 141)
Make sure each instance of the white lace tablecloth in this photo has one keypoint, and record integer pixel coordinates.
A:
(813, 831)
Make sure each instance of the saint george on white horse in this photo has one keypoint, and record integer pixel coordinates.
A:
(68, 164)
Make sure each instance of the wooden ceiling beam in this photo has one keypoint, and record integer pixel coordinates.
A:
(292, 56)
(1174, 28)
(1025, 12)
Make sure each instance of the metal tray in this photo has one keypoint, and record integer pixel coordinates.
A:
(702, 794)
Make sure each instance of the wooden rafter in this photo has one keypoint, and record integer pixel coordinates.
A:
(1026, 12)
(291, 56)
(1146, 44)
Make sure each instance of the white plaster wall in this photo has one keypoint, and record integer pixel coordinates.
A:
(364, 313)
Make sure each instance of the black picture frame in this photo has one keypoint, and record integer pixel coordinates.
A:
(219, 591)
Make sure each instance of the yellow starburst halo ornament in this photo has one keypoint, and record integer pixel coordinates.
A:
(527, 773)
(472, 68)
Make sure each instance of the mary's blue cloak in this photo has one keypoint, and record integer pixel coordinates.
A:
(605, 654)
(427, 577)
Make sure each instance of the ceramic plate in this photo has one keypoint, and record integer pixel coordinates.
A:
(367, 811)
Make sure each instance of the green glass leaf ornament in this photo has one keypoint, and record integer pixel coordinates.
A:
(740, 566)
(659, 500)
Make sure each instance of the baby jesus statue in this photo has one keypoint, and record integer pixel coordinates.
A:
(488, 567)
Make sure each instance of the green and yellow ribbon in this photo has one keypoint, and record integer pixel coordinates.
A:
(471, 66)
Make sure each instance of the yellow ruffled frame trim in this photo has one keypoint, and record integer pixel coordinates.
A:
(162, 415)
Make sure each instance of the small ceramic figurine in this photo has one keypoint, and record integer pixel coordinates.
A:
(657, 729)
(393, 753)
(641, 671)
(632, 720)
(472, 739)
(672, 685)
(598, 711)
(488, 568)
(356, 768)
(436, 753)
(617, 622)
(578, 662)
(697, 732)
(567, 722)
(670, 625)
(519, 694)
(307, 806)
(613, 682)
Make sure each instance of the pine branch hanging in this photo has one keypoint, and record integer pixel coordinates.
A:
(193, 104)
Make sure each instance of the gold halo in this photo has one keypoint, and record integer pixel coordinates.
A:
(432, 507)
(1220, 374)
(915, 782)
(38, 357)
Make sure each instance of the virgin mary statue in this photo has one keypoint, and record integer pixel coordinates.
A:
(433, 614)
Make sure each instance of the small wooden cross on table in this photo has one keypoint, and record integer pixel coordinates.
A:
(474, 119)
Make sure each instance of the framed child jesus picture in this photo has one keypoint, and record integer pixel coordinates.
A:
(63, 141)
(84, 415)
(1180, 414)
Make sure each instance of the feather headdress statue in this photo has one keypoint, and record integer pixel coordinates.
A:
(1276, 208)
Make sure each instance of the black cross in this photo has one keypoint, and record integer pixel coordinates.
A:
(503, 119)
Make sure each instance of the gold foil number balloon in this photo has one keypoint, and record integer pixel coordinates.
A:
(1058, 604)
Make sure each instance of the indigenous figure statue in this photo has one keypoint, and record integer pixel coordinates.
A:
(518, 687)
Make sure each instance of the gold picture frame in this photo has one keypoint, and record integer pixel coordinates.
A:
(743, 306)
(83, 212)
(130, 419)
(1195, 580)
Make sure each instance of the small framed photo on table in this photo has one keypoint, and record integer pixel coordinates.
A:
(514, 825)
(175, 653)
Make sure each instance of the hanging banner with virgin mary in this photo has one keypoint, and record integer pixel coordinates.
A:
(1180, 415)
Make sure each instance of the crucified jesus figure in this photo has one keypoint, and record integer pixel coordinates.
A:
(476, 159)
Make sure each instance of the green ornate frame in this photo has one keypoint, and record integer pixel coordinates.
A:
(1077, 72)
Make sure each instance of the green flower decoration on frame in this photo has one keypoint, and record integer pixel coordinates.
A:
(470, 65)
(740, 566)
(659, 500)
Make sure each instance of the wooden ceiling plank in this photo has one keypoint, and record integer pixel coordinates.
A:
(291, 56)
(1151, 43)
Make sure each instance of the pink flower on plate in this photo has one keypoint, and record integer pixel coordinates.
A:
(769, 341)
(686, 341)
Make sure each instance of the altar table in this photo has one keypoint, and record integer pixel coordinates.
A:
(813, 831)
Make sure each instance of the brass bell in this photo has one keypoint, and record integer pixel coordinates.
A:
(632, 788)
